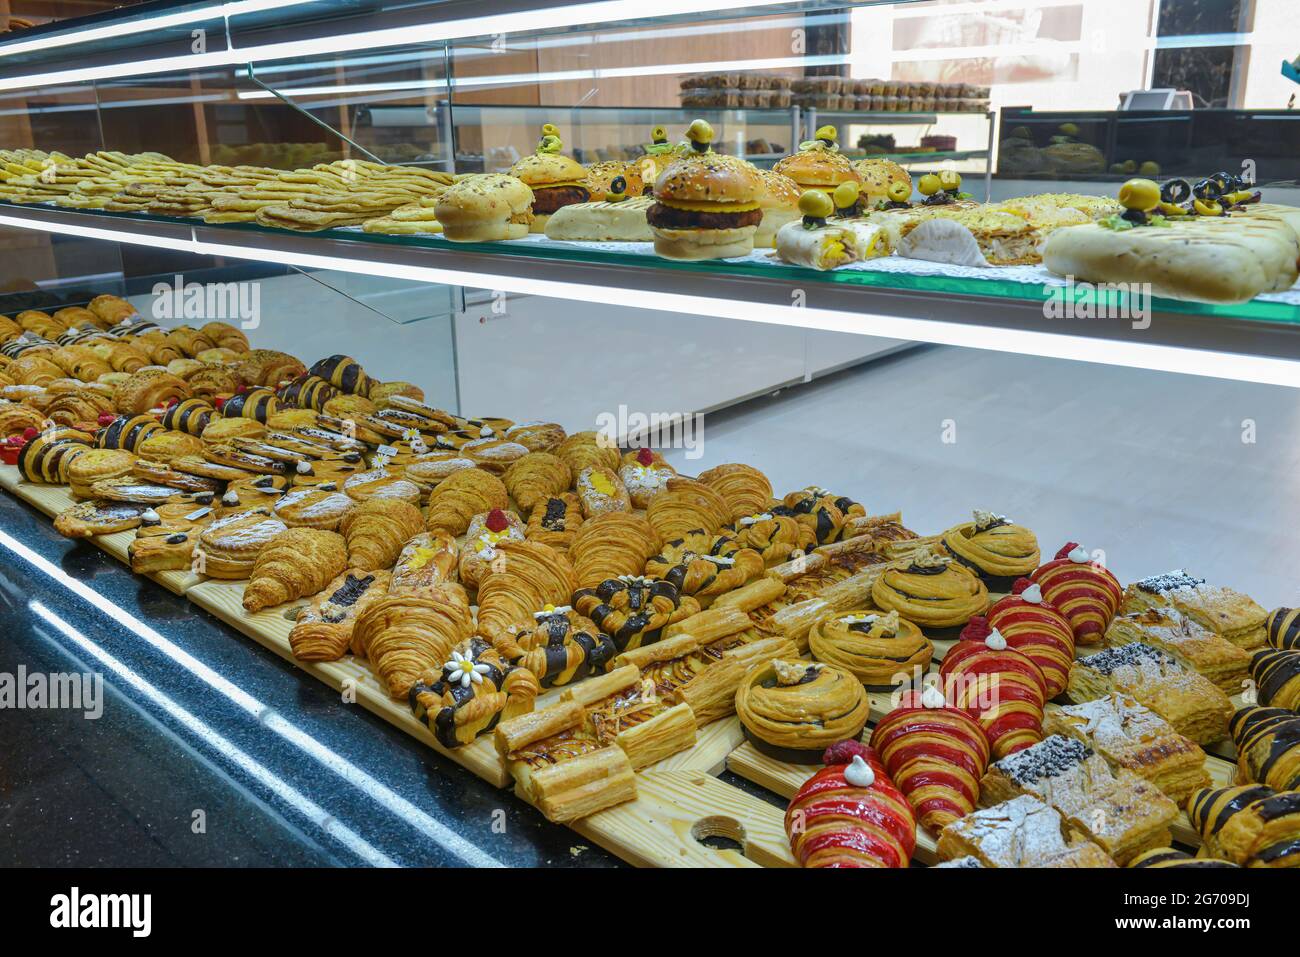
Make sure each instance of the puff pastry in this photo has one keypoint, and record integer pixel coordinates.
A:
(585, 450)
(323, 629)
(555, 521)
(380, 484)
(600, 490)
(376, 530)
(825, 513)
(634, 610)
(1283, 628)
(149, 389)
(297, 562)
(1277, 678)
(1082, 590)
(470, 693)
(608, 545)
(704, 565)
(558, 646)
(97, 464)
(460, 497)
(1034, 627)
(932, 591)
(531, 577)
(426, 560)
(486, 531)
(776, 538)
(1268, 747)
(229, 546)
(744, 488)
(1002, 688)
(880, 649)
(1192, 646)
(405, 635)
(536, 436)
(644, 477)
(794, 710)
(88, 518)
(994, 548)
(1023, 832)
(536, 477)
(684, 506)
(1229, 614)
(1250, 825)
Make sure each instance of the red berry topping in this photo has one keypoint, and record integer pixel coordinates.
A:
(106, 418)
(977, 629)
(1066, 549)
(497, 521)
(174, 400)
(1020, 585)
(645, 456)
(843, 752)
(218, 402)
(29, 433)
(241, 389)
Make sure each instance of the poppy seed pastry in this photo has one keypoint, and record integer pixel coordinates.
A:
(485, 208)
(706, 207)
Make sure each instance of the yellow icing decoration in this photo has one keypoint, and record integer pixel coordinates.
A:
(601, 483)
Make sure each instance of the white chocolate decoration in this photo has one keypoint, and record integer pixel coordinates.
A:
(996, 641)
(1079, 555)
(932, 697)
(230, 498)
(1033, 594)
(303, 468)
(984, 519)
(150, 516)
(859, 773)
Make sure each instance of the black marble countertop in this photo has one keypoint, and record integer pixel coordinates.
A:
(209, 749)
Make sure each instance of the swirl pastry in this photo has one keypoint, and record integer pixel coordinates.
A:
(634, 610)
(16, 419)
(610, 545)
(825, 513)
(1282, 628)
(46, 457)
(530, 576)
(297, 562)
(1250, 825)
(228, 548)
(344, 373)
(775, 537)
(225, 336)
(794, 710)
(257, 404)
(1085, 592)
(313, 507)
(149, 389)
(1277, 677)
(189, 415)
(471, 693)
(705, 565)
(536, 436)
(744, 488)
(536, 477)
(80, 405)
(559, 646)
(600, 491)
(376, 530)
(426, 561)
(1033, 627)
(881, 650)
(460, 497)
(850, 814)
(555, 521)
(1001, 688)
(685, 506)
(994, 548)
(644, 478)
(267, 367)
(1268, 747)
(306, 392)
(588, 450)
(405, 635)
(932, 591)
(486, 531)
(936, 755)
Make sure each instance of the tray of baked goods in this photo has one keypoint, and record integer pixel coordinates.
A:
(581, 624)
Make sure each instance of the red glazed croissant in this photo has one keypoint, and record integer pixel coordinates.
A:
(1082, 590)
(1034, 627)
(1001, 688)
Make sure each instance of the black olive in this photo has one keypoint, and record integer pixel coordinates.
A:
(1134, 216)
(1208, 189)
(1176, 191)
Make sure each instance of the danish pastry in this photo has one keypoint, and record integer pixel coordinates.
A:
(296, 562)
(486, 531)
(1282, 627)
(536, 477)
(149, 389)
(323, 630)
(470, 693)
(405, 635)
(705, 565)
(168, 545)
(994, 548)
(220, 431)
(536, 436)
(267, 367)
(558, 646)
(935, 754)
(460, 497)
(1250, 825)
(225, 336)
(1035, 628)
(493, 455)
(850, 814)
(376, 485)
(633, 610)
(211, 381)
(1003, 689)
(79, 405)
(85, 519)
(531, 576)
(931, 590)
(167, 446)
(1082, 590)
(600, 491)
(1268, 747)
(376, 530)
(313, 507)
(432, 468)
(775, 537)
(228, 548)
(645, 476)
(881, 650)
(426, 560)
(1229, 614)
(744, 488)
(825, 513)
(555, 521)
(588, 450)
(685, 506)
(794, 710)
(1277, 678)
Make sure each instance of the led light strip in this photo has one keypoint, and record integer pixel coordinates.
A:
(526, 21)
(1155, 357)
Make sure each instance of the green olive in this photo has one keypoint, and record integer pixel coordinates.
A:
(928, 185)
(827, 133)
(699, 132)
(1142, 194)
(1069, 129)
(816, 204)
(658, 134)
(846, 195)
(550, 129)
(899, 191)
(1128, 166)
(1150, 168)
(1207, 207)
(950, 180)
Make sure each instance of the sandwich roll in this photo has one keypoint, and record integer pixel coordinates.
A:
(605, 222)
(484, 208)
(820, 244)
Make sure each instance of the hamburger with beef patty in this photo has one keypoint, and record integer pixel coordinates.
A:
(706, 205)
(819, 164)
(555, 179)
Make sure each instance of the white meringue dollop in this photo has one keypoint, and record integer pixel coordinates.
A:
(859, 773)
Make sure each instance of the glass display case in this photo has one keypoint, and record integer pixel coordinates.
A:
(555, 309)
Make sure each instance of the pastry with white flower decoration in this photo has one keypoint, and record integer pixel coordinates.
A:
(994, 548)
(486, 531)
(878, 648)
(473, 691)
(644, 477)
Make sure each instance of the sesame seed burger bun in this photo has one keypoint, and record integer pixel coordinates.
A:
(779, 201)
(601, 175)
(817, 169)
(556, 180)
(877, 176)
(706, 207)
(484, 208)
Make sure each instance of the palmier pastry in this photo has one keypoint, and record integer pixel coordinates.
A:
(313, 507)
(323, 630)
(189, 415)
(850, 814)
(1268, 747)
(536, 477)
(745, 489)
(536, 436)
(600, 490)
(267, 367)
(307, 392)
(1282, 626)
(644, 477)
(1250, 825)
(634, 610)
(995, 549)
(407, 634)
(824, 512)
(932, 591)
(685, 506)
(494, 455)
(460, 497)
(486, 531)
(229, 547)
(935, 753)
(588, 450)
(297, 562)
(149, 389)
(127, 432)
(531, 576)
(558, 646)
(703, 564)
(776, 538)
(555, 521)
(47, 456)
(85, 519)
(225, 336)
(794, 710)
(381, 484)
(97, 464)
(221, 431)
(610, 545)
(1003, 689)
(425, 561)
(377, 529)
(880, 650)
(1035, 628)
(344, 373)
(257, 404)
(1082, 590)
(470, 693)
(168, 446)
(1277, 678)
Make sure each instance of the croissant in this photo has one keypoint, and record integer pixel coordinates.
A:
(531, 577)
(1082, 590)
(850, 814)
(41, 323)
(536, 477)
(377, 529)
(78, 317)
(225, 336)
(745, 489)
(634, 610)
(460, 497)
(405, 635)
(1250, 825)
(1004, 690)
(111, 309)
(609, 545)
(149, 389)
(686, 505)
(995, 549)
(705, 565)
(121, 356)
(323, 630)
(588, 450)
(296, 562)
(267, 367)
(558, 646)
(775, 537)
(1283, 627)
(472, 692)
(189, 341)
(1032, 626)
(189, 415)
(536, 436)
(556, 521)
(1277, 677)
(211, 381)
(937, 756)
(307, 392)
(83, 405)
(1268, 746)
(344, 373)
